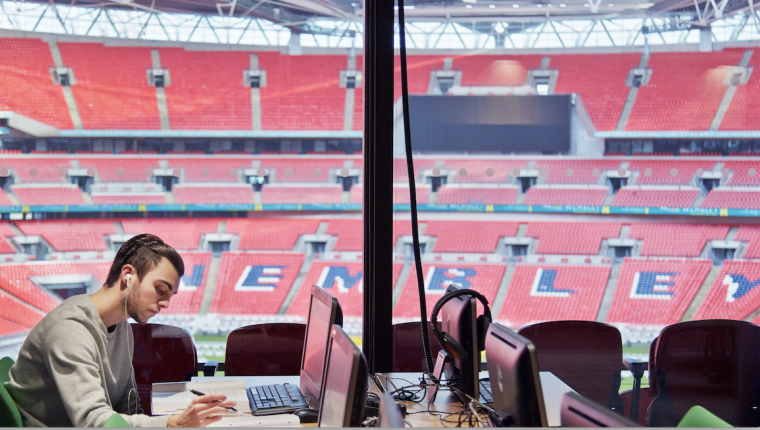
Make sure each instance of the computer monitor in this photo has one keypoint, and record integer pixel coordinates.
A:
(515, 385)
(389, 413)
(324, 311)
(578, 411)
(458, 318)
(345, 383)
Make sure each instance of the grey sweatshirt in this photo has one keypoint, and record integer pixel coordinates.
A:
(71, 371)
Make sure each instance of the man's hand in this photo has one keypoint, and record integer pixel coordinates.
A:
(203, 410)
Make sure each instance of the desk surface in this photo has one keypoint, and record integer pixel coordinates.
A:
(418, 416)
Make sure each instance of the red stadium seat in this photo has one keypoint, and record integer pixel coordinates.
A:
(734, 294)
(670, 198)
(16, 312)
(254, 283)
(278, 234)
(469, 236)
(277, 348)
(750, 234)
(566, 196)
(462, 195)
(675, 240)
(180, 234)
(196, 194)
(668, 172)
(656, 292)
(350, 234)
(734, 198)
(70, 235)
(322, 194)
(539, 293)
(408, 351)
(188, 298)
(40, 195)
(575, 171)
(571, 237)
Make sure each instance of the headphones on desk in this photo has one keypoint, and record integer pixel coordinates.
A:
(447, 341)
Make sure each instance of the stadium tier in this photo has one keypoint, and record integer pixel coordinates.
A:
(484, 278)
(684, 91)
(4, 200)
(548, 293)
(70, 235)
(656, 292)
(350, 234)
(743, 172)
(400, 194)
(667, 172)
(181, 234)
(458, 194)
(6, 232)
(647, 197)
(196, 194)
(254, 283)
(129, 199)
(565, 196)
(571, 238)
(271, 233)
(41, 195)
(676, 240)
(742, 112)
(190, 292)
(274, 194)
(733, 294)
(469, 236)
(750, 234)
(575, 171)
(734, 198)
(14, 311)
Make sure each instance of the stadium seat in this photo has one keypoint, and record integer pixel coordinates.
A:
(736, 198)
(734, 293)
(342, 279)
(648, 197)
(469, 236)
(676, 240)
(196, 194)
(265, 350)
(70, 235)
(162, 353)
(462, 195)
(128, 199)
(656, 292)
(350, 234)
(571, 237)
(590, 364)
(180, 234)
(6, 232)
(741, 172)
(270, 234)
(44, 196)
(668, 171)
(323, 194)
(408, 351)
(690, 372)
(254, 283)
(193, 283)
(539, 293)
(575, 171)
(750, 234)
(537, 196)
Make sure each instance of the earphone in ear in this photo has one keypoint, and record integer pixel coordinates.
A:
(129, 349)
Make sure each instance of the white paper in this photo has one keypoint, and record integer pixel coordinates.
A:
(173, 397)
(283, 420)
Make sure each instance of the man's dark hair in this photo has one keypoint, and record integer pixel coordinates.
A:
(144, 252)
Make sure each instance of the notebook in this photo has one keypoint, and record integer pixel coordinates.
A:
(173, 397)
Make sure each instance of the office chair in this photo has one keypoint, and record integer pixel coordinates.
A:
(265, 349)
(9, 414)
(710, 363)
(408, 355)
(586, 355)
(162, 353)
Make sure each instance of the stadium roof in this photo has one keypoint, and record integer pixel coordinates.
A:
(295, 13)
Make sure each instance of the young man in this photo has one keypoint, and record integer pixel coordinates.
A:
(75, 367)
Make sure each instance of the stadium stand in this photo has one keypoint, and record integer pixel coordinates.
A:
(600, 81)
(306, 194)
(202, 194)
(684, 91)
(469, 236)
(756, 321)
(6, 232)
(15, 279)
(495, 70)
(741, 172)
(419, 68)
(402, 227)
(571, 237)
(128, 199)
(742, 112)
(112, 90)
(732, 198)
(673, 197)
(70, 235)
(656, 292)
(188, 297)
(734, 293)
(28, 88)
(342, 279)
(662, 171)
(538, 195)
(350, 234)
(476, 171)
(41, 195)
(181, 234)
(8, 328)
(401, 194)
(576, 171)
(675, 240)
(484, 278)
(270, 234)
(750, 234)
(211, 169)
(302, 91)
(540, 293)
(312, 169)
(204, 96)
(4, 200)
(254, 283)
(400, 170)
(126, 168)
(16, 312)
(467, 194)
(36, 169)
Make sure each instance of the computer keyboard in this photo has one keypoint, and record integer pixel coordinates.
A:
(485, 393)
(275, 399)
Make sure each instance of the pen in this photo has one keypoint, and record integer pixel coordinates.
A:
(198, 393)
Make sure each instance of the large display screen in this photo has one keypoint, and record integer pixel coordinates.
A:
(505, 124)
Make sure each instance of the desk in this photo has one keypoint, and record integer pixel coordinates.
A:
(553, 389)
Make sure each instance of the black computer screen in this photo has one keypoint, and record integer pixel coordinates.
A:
(316, 341)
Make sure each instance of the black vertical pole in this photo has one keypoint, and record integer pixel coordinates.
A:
(378, 184)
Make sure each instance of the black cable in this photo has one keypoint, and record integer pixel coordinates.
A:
(413, 188)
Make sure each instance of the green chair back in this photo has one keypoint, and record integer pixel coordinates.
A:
(701, 417)
(116, 420)
(9, 414)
